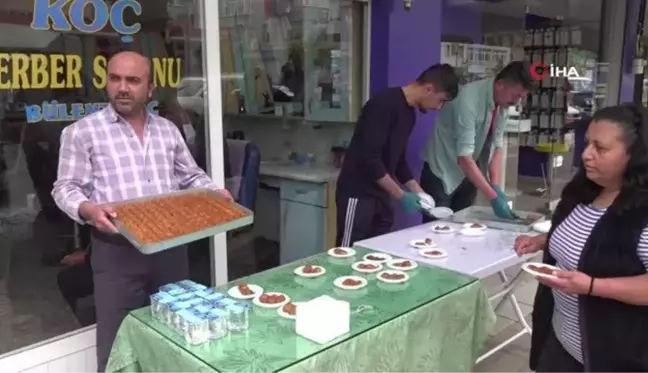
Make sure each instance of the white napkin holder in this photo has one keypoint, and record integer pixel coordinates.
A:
(323, 319)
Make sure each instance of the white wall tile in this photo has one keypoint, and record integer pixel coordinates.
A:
(75, 362)
(74, 352)
(82, 361)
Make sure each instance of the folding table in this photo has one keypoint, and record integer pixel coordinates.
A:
(479, 257)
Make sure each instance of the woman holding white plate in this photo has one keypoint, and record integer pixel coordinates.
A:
(593, 315)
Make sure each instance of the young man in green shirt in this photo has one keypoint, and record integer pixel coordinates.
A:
(464, 151)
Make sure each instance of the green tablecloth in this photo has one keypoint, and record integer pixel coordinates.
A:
(435, 322)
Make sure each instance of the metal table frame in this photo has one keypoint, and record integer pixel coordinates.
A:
(506, 292)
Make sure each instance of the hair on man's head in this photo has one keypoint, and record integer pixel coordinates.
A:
(516, 73)
(443, 77)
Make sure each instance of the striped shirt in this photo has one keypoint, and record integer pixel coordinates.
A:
(102, 161)
(565, 246)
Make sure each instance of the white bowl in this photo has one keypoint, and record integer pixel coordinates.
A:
(339, 282)
(470, 226)
(441, 212)
(421, 245)
(393, 281)
(534, 273)
(257, 301)
(435, 229)
(299, 271)
(285, 315)
(383, 257)
(356, 265)
(473, 232)
(349, 252)
(440, 256)
(235, 293)
(393, 264)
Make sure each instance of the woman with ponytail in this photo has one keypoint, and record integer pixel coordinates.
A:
(593, 316)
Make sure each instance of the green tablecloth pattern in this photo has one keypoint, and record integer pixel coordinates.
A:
(436, 322)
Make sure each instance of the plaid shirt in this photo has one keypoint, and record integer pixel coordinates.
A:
(102, 160)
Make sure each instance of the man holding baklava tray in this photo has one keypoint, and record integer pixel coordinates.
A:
(119, 153)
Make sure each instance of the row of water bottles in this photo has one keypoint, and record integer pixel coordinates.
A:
(198, 313)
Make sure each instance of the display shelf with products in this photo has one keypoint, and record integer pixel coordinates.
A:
(549, 51)
(294, 61)
(547, 105)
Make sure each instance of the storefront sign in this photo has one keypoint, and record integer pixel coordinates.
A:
(53, 111)
(36, 71)
(53, 16)
(65, 71)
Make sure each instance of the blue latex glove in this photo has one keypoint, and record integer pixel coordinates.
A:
(500, 192)
(501, 208)
(410, 202)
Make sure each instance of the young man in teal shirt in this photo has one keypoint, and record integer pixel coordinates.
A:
(464, 151)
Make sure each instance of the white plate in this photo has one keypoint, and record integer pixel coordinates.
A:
(426, 201)
(473, 232)
(299, 271)
(417, 244)
(257, 301)
(440, 256)
(440, 212)
(530, 271)
(281, 312)
(355, 265)
(384, 257)
(350, 252)
(339, 282)
(392, 264)
(435, 229)
(235, 293)
(542, 226)
(388, 281)
(469, 226)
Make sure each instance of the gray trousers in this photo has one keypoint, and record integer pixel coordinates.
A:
(123, 281)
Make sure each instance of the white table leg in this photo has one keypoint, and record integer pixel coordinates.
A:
(507, 293)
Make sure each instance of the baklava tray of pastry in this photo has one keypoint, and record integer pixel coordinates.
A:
(168, 217)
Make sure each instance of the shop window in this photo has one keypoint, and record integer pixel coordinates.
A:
(497, 30)
(294, 77)
(38, 244)
(295, 59)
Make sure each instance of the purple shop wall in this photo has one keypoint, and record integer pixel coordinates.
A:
(403, 44)
(412, 44)
(464, 20)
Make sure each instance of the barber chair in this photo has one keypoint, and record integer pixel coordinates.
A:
(244, 161)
